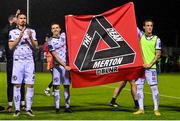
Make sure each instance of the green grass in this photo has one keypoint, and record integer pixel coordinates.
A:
(92, 103)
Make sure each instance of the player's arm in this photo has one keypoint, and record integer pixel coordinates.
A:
(14, 43)
(68, 68)
(155, 59)
(140, 33)
(32, 39)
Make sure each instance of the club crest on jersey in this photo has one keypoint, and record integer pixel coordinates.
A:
(106, 60)
(14, 77)
(55, 79)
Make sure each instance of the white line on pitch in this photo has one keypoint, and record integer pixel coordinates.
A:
(161, 95)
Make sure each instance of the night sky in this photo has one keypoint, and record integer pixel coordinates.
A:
(43, 12)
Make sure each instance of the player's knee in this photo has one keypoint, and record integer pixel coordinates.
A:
(66, 86)
(132, 83)
(56, 87)
(154, 89)
(30, 85)
(122, 84)
(17, 85)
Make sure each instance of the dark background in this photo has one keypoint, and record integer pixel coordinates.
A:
(43, 12)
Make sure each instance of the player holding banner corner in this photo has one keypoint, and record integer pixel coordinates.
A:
(57, 47)
(151, 50)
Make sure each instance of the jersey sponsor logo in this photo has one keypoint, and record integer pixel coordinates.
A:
(107, 60)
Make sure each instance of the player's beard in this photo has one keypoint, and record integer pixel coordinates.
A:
(56, 33)
(23, 23)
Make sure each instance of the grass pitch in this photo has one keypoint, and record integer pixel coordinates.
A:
(92, 103)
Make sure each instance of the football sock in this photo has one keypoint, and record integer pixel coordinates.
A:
(155, 95)
(29, 98)
(113, 100)
(67, 97)
(17, 97)
(47, 88)
(22, 102)
(140, 96)
(56, 98)
(50, 85)
(136, 103)
(10, 103)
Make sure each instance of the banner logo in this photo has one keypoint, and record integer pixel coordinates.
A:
(106, 60)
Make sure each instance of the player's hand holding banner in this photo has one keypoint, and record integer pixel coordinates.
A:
(104, 48)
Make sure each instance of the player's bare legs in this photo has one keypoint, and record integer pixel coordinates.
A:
(116, 93)
(118, 90)
(134, 93)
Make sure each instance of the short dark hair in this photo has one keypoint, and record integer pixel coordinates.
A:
(53, 23)
(21, 13)
(148, 20)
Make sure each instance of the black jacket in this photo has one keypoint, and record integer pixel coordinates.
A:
(5, 38)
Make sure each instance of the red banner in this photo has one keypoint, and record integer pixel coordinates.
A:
(104, 48)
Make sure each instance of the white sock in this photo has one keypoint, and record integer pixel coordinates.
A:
(29, 98)
(56, 98)
(47, 88)
(140, 96)
(10, 103)
(17, 97)
(67, 97)
(155, 95)
(22, 102)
